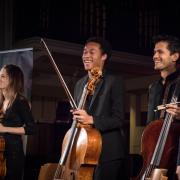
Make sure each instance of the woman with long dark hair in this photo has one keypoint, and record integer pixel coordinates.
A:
(16, 119)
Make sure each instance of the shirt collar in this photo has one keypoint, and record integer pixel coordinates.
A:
(172, 76)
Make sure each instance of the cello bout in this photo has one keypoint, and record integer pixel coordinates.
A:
(167, 162)
(84, 154)
(2, 159)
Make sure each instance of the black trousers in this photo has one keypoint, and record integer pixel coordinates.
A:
(113, 170)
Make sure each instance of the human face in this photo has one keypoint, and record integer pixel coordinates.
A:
(92, 56)
(4, 79)
(163, 59)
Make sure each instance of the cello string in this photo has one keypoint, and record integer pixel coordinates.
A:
(163, 136)
(158, 148)
(165, 131)
(156, 151)
(161, 141)
(152, 165)
(57, 173)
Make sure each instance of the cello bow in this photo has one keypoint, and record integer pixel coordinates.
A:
(74, 130)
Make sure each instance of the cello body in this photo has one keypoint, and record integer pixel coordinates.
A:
(81, 160)
(2, 159)
(148, 142)
(84, 154)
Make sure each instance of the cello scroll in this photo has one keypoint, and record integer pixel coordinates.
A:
(96, 74)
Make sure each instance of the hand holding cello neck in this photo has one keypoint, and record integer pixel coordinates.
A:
(89, 88)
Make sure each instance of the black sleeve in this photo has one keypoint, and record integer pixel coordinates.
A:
(26, 116)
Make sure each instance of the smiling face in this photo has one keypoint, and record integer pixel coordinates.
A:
(163, 59)
(93, 56)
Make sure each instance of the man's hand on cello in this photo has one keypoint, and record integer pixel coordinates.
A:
(174, 110)
(82, 117)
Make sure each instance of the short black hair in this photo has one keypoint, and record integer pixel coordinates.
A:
(104, 45)
(173, 42)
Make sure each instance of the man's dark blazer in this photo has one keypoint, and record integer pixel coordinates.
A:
(107, 109)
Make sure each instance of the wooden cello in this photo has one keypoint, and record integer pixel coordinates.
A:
(82, 144)
(2, 159)
(159, 146)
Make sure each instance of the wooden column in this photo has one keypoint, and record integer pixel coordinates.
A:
(135, 131)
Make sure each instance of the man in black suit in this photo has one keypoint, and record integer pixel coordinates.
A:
(166, 57)
(104, 110)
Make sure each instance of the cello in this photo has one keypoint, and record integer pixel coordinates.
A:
(82, 144)
(159, 146)
(2, 159)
